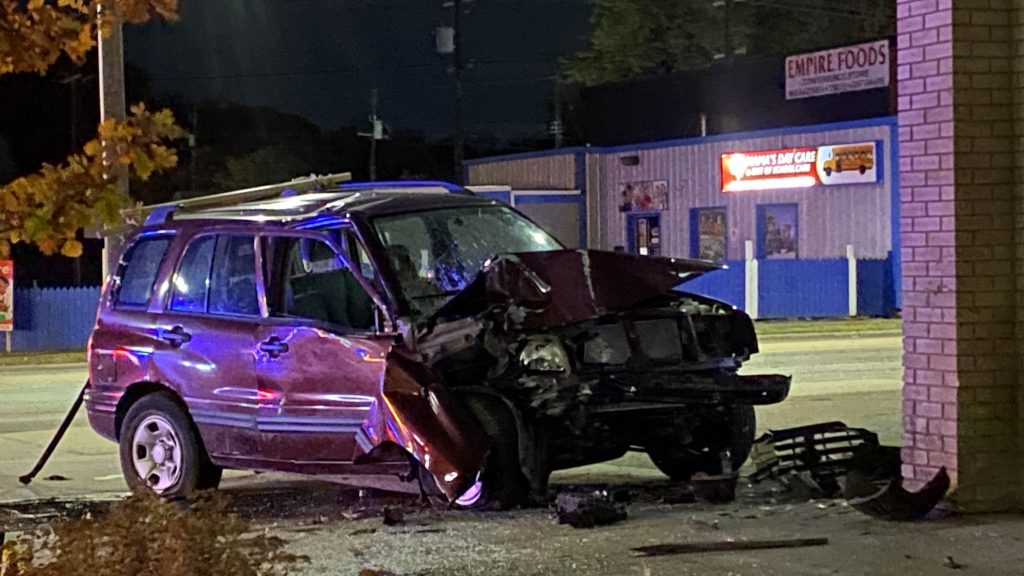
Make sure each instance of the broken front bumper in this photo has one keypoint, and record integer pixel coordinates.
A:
(625, 391)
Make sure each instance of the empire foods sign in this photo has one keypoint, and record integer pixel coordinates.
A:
(800, 167)
(838, 70)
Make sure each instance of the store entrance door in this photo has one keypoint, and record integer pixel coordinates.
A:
(643, 233)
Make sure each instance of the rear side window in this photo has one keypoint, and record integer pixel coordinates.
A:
(233, 281)
(191, 281)
(217, 275)
(138, 270)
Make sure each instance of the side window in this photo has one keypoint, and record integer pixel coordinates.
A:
(233, 281)
(310, 281)
(138, 270)
(190, 286)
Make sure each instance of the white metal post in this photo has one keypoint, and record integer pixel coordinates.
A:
(851, 263)
(752, 275)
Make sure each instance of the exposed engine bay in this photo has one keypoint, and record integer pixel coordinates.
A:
(597, 376)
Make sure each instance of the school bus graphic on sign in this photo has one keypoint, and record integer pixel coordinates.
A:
(859, 157)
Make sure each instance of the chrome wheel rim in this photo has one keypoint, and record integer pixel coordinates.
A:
(156, 453)
(472, 495)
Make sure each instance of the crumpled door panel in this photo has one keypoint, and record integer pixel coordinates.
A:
(420, 414)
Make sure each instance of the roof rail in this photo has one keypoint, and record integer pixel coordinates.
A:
(159, 213)
(453, 188)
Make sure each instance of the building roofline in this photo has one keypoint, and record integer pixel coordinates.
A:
(692, 141)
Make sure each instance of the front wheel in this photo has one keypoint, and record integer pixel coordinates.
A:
(160, 450)
(734, 431)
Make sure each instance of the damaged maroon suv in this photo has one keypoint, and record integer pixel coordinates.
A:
(410, 330)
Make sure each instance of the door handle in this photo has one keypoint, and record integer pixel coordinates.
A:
(175, 336)
(274, 347)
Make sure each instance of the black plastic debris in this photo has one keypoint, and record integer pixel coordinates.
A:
(894, 502)
(393, 516)
(717, 489)
(588, 509)
(818, 454)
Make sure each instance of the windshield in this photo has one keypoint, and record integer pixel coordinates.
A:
(435, 254)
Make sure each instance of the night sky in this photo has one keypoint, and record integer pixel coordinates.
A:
(320, 58)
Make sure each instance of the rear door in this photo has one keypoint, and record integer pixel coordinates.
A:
(205, 340)
(319, 358)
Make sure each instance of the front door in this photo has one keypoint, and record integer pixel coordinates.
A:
(319, 363)
(643, 232)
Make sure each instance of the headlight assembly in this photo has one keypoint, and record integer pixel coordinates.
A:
(545, 354)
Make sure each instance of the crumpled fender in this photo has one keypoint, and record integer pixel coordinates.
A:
(420, 414)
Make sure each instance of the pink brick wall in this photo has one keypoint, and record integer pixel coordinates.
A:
(960, 245)
(927, 237)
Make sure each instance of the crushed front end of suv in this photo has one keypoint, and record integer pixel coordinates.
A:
(414, 331)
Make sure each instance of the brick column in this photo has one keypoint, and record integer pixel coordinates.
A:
(958, 238)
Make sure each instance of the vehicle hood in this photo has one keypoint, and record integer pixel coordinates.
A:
(560, 287)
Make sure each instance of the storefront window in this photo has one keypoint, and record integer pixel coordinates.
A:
(778, 231)
(708, 228)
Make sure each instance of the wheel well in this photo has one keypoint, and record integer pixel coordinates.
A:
(478, 398)
(137, 392)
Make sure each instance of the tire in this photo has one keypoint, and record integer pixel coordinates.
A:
(158, 434)
(734, 432)
(839, 168)
(502, 485)
(828, 171)
(863, 169)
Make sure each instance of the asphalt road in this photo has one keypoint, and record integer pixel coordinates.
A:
(853, 379)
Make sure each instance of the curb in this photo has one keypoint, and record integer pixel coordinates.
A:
(831, 335)
(40, 367)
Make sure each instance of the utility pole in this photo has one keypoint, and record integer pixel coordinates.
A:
(112, 105)
(448, 41)
(375, 134)
(728, 12)
(557, 126)
(460, 121)
(192, 164)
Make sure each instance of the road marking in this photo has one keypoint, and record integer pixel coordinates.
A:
(108, 478)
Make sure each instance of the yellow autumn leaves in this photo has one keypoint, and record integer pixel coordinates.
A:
(49, 207)
(35, 34)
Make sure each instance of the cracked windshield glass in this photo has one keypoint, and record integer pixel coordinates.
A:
(436, 254)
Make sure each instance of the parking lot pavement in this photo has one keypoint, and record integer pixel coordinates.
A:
(854, 379)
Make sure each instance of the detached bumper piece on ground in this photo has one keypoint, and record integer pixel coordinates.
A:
(830, 459)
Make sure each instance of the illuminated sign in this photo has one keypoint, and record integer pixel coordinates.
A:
(6, 295)
(838, 70)
(800, 167)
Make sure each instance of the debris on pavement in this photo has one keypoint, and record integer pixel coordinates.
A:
(588, 509)
(683, 494)
(894, 502)
(717, 489)
(727, 546)
(818, 454)
(57, 478)
(952, 564)
(393, 516)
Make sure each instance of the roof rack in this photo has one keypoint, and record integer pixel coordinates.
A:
(160, 213)
(392, 184)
